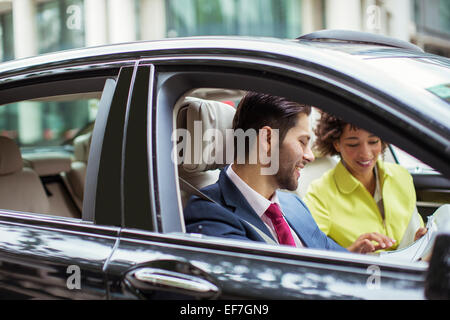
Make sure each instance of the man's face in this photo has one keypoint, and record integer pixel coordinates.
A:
(295, 153)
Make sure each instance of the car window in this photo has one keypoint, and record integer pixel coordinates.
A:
(48, 122)
(411, 163)
(316, 169)
(200, 172)
(49, 137)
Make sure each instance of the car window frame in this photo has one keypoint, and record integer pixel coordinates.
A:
(56, 227)
(173, 82)
(326, 101)
(103, 202)
(55, 82)
(137, 170)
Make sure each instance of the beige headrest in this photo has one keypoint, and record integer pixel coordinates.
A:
(81, 147)
(49, 164)
(10, 157)
(197, 116)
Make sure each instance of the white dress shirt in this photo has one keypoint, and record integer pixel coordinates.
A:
(259, 204)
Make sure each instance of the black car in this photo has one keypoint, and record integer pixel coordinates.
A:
(91, 197)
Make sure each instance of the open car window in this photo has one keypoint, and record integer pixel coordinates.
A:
(50, 122)
(194, 112)
(46, 140)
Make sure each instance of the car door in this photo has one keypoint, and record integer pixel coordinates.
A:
(52, 258)
(155, 259)
(46, 256)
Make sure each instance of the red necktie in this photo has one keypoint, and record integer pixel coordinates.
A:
(281, 227)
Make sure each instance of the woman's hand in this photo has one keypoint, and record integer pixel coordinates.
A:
(364, 243)
(420, 233)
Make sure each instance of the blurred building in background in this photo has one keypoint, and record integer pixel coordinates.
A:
(30, 27)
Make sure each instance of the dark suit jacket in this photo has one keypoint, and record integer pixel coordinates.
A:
(228, 216)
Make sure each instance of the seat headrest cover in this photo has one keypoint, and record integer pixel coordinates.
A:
(10, 156)
(198, 116)
(81, 146)
(49, 164)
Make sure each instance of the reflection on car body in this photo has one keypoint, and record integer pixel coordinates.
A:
(125, 228)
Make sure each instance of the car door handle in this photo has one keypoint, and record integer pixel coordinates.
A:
(147, 278)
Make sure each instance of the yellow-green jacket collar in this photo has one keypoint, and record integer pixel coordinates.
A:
(347, 183)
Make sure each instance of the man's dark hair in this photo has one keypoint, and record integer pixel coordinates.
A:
(257, 110)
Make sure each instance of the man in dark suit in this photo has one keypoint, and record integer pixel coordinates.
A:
(246, 201)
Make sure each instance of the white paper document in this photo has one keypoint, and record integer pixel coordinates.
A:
(410, 250)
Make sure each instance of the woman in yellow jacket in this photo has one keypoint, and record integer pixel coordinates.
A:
(362, 194)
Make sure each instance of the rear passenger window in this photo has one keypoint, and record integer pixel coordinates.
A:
(48, 123)
(44, 147)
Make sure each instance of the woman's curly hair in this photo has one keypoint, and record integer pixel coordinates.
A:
(329, 129)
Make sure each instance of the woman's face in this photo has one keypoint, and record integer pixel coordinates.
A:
(359, 150)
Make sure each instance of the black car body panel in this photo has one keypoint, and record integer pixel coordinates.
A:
(39, 255)
(251, 272)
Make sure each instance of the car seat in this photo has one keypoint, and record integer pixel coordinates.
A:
(51, 168)
(313, 171)
(20, 187)
(198, 166)
(75, 178)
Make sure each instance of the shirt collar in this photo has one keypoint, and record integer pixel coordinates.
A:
(347, 183)
(256, 200)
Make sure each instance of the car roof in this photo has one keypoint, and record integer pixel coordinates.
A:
(357, 62)
(221, 44)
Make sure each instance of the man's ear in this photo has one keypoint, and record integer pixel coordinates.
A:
(264, 139)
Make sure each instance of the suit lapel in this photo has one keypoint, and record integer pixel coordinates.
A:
(296, 218)
(240, 206)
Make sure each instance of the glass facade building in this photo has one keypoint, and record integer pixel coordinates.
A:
(60, 25)
(432, 20)
(6, 37)
(270, 18)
